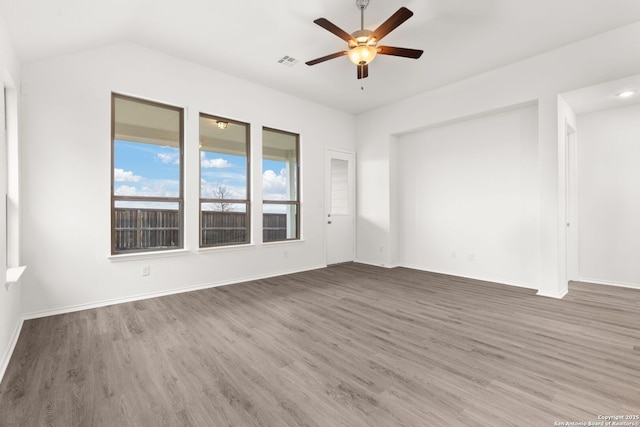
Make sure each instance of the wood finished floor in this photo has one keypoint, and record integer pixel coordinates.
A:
(350, 345)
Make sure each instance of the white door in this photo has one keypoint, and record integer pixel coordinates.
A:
(340, 206)
(571, 189)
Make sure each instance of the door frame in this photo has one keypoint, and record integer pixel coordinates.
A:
(571, 201)
(329, 154)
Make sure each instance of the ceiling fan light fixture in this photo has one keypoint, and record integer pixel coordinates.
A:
(362, 54)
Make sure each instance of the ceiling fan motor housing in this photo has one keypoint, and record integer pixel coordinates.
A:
(362, 37)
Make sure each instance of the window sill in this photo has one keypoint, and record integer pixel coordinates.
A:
(284, 242)
(148, 255)
(181, 252)
(227, 248)
(13, 275)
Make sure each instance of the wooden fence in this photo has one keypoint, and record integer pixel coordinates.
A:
(155, 228)
(146, 228)
(223, 227)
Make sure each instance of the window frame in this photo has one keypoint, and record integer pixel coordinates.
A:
(12, 174)
(5, 165)
(246, 201)
(296, 202)
(114, 198)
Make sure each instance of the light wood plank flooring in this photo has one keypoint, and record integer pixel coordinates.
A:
(350, 345)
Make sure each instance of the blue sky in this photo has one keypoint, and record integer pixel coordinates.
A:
(146, 169)
(134, 156)
(152, 170)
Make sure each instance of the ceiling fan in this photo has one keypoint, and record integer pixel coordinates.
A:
(363, 43)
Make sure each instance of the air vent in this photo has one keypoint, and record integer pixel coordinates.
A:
(288, 61)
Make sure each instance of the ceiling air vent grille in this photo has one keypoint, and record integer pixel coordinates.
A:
(288, 61)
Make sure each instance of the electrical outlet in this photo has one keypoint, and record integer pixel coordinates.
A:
(146, 270)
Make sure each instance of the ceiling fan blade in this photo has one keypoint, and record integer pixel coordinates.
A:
(400, 51)
(324, 23)
(326, 58)
(363, 71)
(391, 24)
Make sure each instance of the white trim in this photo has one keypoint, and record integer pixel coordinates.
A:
(283, 242)
(88, 306)
(225, 248)
(556, 295)
(481, 279)
(148, 255)
(13, 165)
(6, 358)
(359, 261)
(609, 283)
(14, 274)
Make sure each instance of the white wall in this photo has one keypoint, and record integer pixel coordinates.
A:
(609, 196)
(10, 297)
(537, 79)
(467, 198)
(66, 185)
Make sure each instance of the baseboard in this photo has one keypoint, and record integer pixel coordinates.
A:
(375, 264)
(139, 297)
(479, 278)
(6, 358)
(550, 294)
(609, 283)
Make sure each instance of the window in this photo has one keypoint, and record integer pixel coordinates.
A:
(146, 185)
(4, 179)
(224, 182)
(11, 166)
(280, 185)
(339, 187)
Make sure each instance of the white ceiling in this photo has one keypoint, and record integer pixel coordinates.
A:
(603, 96)
(460, 38)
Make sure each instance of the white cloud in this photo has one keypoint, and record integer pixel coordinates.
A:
(150, 188)
(121, 175)
(160, 188)
(213, 163)
(168, 158)
(125, 190)
(274, 186)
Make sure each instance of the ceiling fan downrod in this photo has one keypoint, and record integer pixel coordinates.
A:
(362, 5)
(361, 36)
